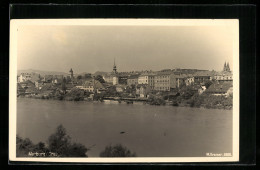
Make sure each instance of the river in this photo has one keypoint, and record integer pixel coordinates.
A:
(150, 131)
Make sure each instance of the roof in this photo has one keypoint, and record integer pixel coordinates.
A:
(203, 74)
(219, 87)
(31, 90)
(163, 73)
(133, 76)
(91, 83)
(224, 73)
(48, 77)
(28, 82)
(46, 87)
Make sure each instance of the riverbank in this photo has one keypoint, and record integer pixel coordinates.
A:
(197, 101)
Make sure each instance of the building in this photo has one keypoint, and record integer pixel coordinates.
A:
(27, 84)
(113, 77)
(202, 77)
(91, 86)
(224, 76)
(24, 77)
(142, 90)
(165, 81)
(71, 73)
(147, 78)
(189, 80)
(132, 80)
(180, 80)
(223, 88)
(226, 67)
(57, 79)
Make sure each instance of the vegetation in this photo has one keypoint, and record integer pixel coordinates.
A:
(117, 151)
(75, 94)
(211, 101)
(156, 100)
(100, 79)
(111, 92)
(59, 144)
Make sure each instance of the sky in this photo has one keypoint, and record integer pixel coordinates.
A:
(94, 48)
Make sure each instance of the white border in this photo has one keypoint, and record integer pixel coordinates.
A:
(15, 24)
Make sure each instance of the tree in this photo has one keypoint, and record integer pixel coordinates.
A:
(100, 79)
(117, 151)
(208, 83)
(87, 76)
(79, 77)
(60, 143)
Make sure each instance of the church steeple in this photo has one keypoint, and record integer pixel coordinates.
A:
(225, 66)
(114, 67)
(71, 73)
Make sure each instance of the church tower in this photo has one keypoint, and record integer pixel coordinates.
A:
(228, 68)
(225, 66)
(114, 67)
(71, 73)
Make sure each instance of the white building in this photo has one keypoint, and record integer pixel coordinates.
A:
(24, 77)
(147, 79)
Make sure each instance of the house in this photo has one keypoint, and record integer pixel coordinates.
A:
(165, 81)
(31, 90)
(57, 79)
(180, 80)
(189, 80)
(80, 84)
(48, 78)
(122, 79)
(120, 88)
(39, 84)
(201, 89)
(91, 86)
(132, 80)
(24, 77)
(224, 76)
(147, 78)
(27, 84)
(223, 88)
(142, 90)
(202, 77)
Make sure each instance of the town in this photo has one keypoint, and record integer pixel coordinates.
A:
(176, 87)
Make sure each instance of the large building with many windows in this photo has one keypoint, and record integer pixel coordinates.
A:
(164, 81)
(147, 79)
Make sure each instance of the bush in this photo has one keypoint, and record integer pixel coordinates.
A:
(156, 100)
(58, 143)
(117, 151)
(75, 94)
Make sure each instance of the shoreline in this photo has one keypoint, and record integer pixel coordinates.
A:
(182, 104)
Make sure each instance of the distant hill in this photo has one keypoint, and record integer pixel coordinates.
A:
(41, 72)
(100, 73)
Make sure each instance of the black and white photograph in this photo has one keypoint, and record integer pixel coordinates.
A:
(124, 90)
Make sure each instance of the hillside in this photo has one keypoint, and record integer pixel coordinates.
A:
(41, 72)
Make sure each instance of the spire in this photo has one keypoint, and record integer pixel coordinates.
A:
(114, 62)
(114, 68)
(225, 66)
(71, 73)
(228, 69)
